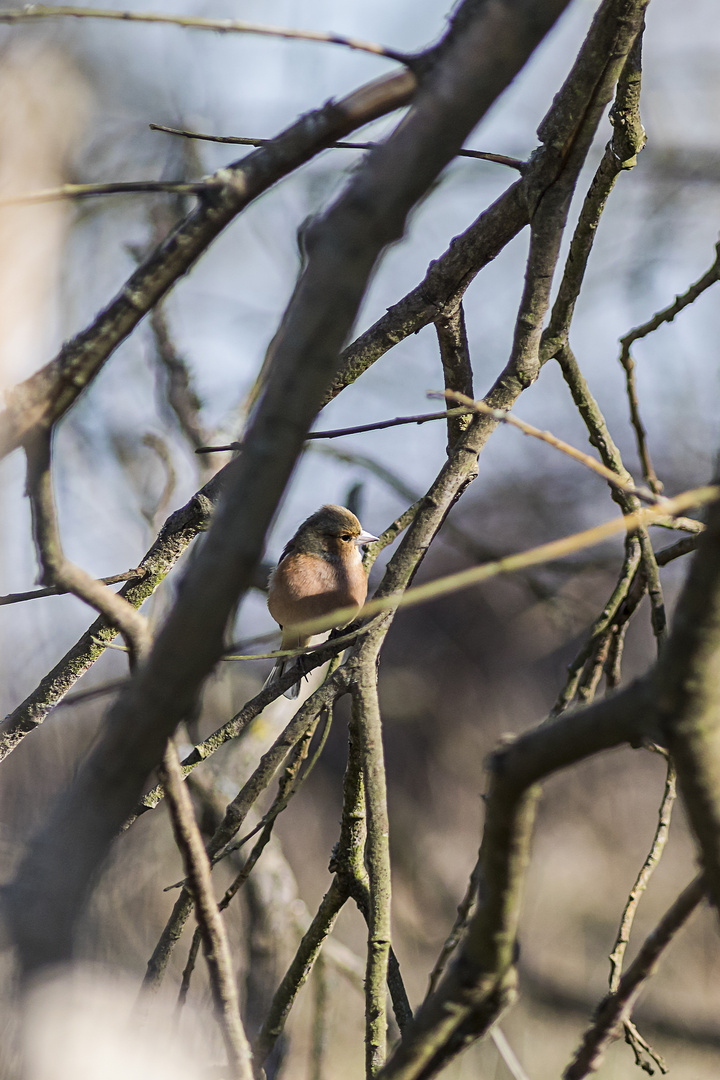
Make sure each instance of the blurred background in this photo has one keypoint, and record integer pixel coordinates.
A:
(77, 97)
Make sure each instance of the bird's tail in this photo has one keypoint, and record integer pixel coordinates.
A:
(279, 668)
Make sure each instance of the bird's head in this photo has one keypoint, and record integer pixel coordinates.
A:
(335, 529)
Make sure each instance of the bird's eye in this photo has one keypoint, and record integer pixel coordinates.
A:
(346, 536)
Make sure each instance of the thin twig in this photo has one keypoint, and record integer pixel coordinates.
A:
(602, 440)
(336, 433)
(464, 913)
(212, 928)
(505, 417)
(57, 590)
(668, 313)
(645, 1055)
(676, 550)
(641, 882)
(195, 22)
(602, 624)
(236, 140)
(615, 1007)
(651, 478)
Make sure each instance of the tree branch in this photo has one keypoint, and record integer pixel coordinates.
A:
(616, 1007)
(195, 22)
(210, 924)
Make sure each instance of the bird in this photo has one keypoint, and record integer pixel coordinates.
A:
(319, 570)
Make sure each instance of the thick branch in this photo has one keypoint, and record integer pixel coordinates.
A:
(46, 396)
(688, 688)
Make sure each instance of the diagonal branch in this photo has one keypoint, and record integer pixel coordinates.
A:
(239, 140)
(617, 1006)
(46, 396)
(195, 22)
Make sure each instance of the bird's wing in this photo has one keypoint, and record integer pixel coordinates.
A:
(287, 550)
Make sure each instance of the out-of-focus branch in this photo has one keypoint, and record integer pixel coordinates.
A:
(46, 396)
(195, 22)
(616, 1007)
(120, 187)
(688, 691)
(210, 924)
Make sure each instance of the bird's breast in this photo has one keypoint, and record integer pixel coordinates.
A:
(308, 586)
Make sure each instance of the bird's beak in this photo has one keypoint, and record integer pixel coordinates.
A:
(365, 538)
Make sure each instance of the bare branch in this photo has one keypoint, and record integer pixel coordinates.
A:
(615, 1007)
(689, 698)
(505, 417)
(668, 313)
(336, 433)
(457, 368)
(57, 590)
(237, 140)
(181, 527)
(43, 398)
(641, 882)
(119, 187)
(211, 926)
(194, 22)
(368, 726)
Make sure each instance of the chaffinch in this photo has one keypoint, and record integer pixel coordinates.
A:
(320, 570)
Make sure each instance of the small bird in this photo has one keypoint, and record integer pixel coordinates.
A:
(320, 570)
